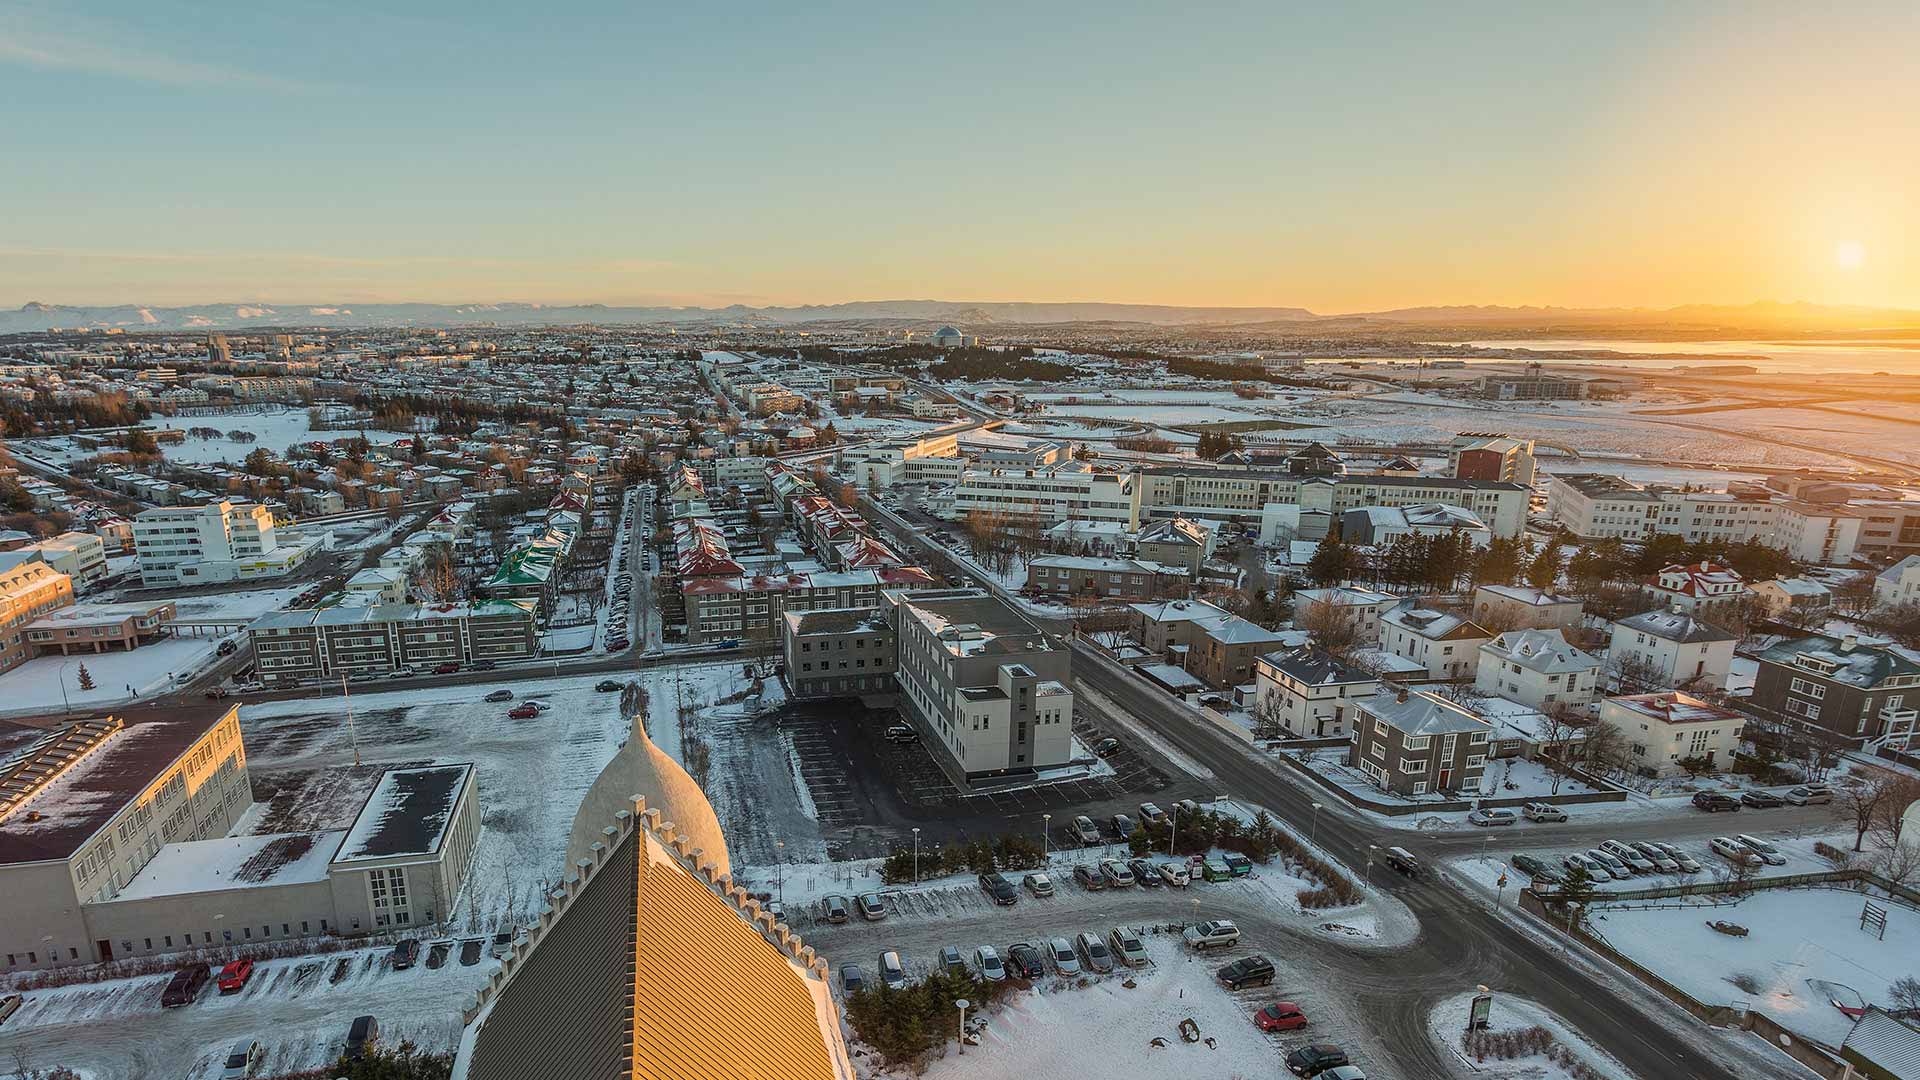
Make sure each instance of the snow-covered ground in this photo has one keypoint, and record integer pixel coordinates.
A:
(1794, 935)
(1448, 1022)
(274, 430)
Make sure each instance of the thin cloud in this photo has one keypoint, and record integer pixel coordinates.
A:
(64, 43)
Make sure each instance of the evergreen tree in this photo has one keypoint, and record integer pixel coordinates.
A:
(84, 677)
(1545, 568)
(1331, 561)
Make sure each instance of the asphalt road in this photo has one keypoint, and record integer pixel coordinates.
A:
(1462, 943)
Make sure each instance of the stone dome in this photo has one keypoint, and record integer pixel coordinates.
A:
(643, 769)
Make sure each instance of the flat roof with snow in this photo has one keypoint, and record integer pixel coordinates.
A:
(408, 813)
(234, 862)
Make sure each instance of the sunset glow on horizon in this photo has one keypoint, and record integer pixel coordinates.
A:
(1641, 155)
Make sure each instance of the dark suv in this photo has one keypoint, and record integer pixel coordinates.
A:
(185, 986)
(999, 889)
(1247, 971)
(1713, 801)
(1316, 1059)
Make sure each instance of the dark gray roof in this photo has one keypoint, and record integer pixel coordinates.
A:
(1676, 626)
(407, 814)
(1424, 714)
(1862, 665)
(837, 621)
(1315, 666)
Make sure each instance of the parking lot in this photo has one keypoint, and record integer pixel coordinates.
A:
(299, 1009)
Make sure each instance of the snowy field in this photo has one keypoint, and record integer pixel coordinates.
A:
(1794, 936)
(274, 430)
(1448, 1022)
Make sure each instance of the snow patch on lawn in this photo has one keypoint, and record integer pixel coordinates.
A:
(1449, 1020)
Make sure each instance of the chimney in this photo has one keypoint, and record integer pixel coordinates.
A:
(1677, 610)
(1400, 694)
(1847, 643)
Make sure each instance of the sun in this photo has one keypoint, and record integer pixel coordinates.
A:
(1851, 255)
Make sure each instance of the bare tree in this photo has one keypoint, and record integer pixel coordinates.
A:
(1604, 749)
(1899, 863)
(1332, 629)
(1902, 790)
(1269, 717)
(1562, 723)
(1859, 805)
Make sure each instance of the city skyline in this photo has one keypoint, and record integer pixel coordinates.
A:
(1340, 162)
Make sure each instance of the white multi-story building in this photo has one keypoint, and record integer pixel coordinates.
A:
(80, 556)
(1072, 491)
(1447, 645)
(1310, 693)
(223, 541)
(1312, 501)
(1538, 669)
(1705, 589)
(1898, 584)
(1661, 648)
(934, 459)
(1360, 607)
(1596, 506)
(1665, 728)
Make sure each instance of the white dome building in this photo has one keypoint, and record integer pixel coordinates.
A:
(948, 338)
(642, 769)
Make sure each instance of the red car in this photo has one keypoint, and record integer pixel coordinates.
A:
(447, 668)
(1280, 1016)
(234, 976)
(523, 712)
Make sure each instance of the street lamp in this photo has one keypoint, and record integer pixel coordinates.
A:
(780, 870)
(916, 854)
(1313, 831)
(1046, 839)
(962, 1004)
(1371, 848)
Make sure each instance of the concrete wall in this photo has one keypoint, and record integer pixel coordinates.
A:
(161, 924)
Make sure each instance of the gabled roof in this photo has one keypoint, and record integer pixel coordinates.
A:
(1545, 651)
(1899, 570)
(1676, 626)
(1434, 625)
(1886, 1043)
(1421, 713)
(1314, 666)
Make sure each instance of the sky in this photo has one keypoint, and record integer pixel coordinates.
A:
(1347, 157)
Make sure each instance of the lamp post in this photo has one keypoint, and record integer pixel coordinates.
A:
(65, 705)
(1313, 831)
(1371, 848)
(916, 854)
(962, 1004)
(1173, 828)
(780, 870)
(1046, 839)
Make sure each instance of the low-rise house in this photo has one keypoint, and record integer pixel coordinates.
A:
(1537, 668)
(1800, 601)
(1211, 643)
(1308, 693)
(1360, 608)
(1176, 541)
(1445, 644)
(1665, 729)
(1381, 525)
(1521, 607)
(1704, 588)
(1664, 649)
(1088, 575)
(1850, 689)
(1411, 742)
(100, 627)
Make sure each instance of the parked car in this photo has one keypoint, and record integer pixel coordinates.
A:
(1688, 864)
(986, 963)
(1023, 959)
(1714, 802)
(1144, 874)
(1115, 873)
(1735, 852)
(1107, 747)
(852, 979)
(540, 704)
(1636, 860)
(893, 973)
(1064, 960)
(1152, 814)
(901, 733)
(609, 686)
(1760, 800)
(502, 944)
(1404, 861)
(9, 1004)
(1089, 878)
(1615, 869)
(1810, 795)
(485, 665)
(1086, 831)
(1280, 1016)
(402, 673)
(233, 977)
(185, 986)
(834, 909)
(1038, 884)
(500, 695)
(999, 889)
(242, 1060)
(1662, 861)
(522, 711)
(362, 1035)
(1246, 971)
(1541, 811)
(404, 954)
(1535, 868)
(1093, 953)
(1769, 854)
(1216, 870)
(1316, 1059)
(1127, 946)
(1212, 934)
(1577, 861)
(1237, 863)
(1175, 874)
(447, 668)
(1122, 826)
(873, 906)
(1492, 817)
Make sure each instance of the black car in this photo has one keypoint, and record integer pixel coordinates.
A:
(1316, 1059)
(500, 695)
(1024, 960)
(1763, 800)
(404, 954)
(484, 665)
(363, 1036)
(1247, 971)
(1713, 801)
(1536, 869)
(1145, 873)
(609, 686)
(185, 986)
(1107, 747)
(999, 889)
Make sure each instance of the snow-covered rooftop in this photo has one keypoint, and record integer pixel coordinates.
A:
(234, 862)
(408, 813)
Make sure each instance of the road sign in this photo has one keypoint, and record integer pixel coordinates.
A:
(1481, 1017)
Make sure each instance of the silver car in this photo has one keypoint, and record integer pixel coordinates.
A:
(1060, 950)
(1127, 946)
(1614, 867)
(242, 1060)
(1688, 864)
(1769, 854)
(1093, 953)
(986, 961)
(1662, 861)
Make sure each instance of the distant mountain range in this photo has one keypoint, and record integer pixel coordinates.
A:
(1760, 318)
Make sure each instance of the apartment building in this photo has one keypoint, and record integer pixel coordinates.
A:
(752, 607)
(29, 591)
(1071, 491)
(1666, 648)
(1361, 608)
(1595, 506)
(1668, 727)
(1538, 669)
(1445, 644)
(1491, 455)
(1255, 497)
(985, 687)
(367, 640)
(1854, 690)
(219, 542)
(838, 652)
(1093, 576)
(1309, 692)
(879, 466)
(1898, 585)
(1532, 386)
(1174, 542)
(83, 811)
(80, 556)
(1414, 743)
(1215, 645)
